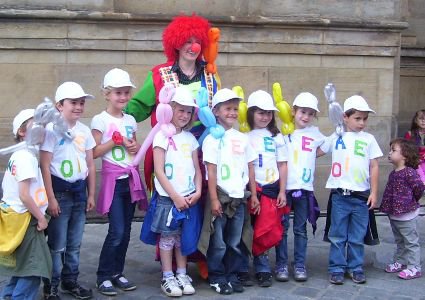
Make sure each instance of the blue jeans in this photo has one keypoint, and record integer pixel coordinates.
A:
(64, 237)
(114, 250)
(349, 220)
(224, 255)
(300, 208)
(22, 288)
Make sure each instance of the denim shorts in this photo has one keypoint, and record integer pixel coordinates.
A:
(159, 222)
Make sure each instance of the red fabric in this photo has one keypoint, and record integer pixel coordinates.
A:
(268, 228)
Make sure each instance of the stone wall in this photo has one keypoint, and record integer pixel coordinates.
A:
(301, 44)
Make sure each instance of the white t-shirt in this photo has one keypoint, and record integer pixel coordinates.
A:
(179, 167)
(351, 155)
(23, 165)
(300, 151)
(69, 156)
(269, 152)
(231, 154)
(107, 124)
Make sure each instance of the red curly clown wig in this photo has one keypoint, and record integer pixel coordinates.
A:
(180, 30)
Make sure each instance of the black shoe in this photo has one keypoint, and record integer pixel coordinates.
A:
(336, 278)
(245, 279)
(75, 289)
(264, 279)
(222, 288)
(237, 286)
(50, 292)
(358, 277)
(123, 284)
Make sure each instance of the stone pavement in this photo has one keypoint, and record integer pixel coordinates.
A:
(143, 270)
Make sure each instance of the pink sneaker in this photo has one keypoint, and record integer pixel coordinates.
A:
(410, 274)
(395, 267)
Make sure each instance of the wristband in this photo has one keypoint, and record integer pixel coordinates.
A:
(117, 138)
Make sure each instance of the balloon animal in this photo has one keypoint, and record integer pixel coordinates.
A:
(242, 110)
(336, 114)
(210, 53)
(285, 112)
(207, 117)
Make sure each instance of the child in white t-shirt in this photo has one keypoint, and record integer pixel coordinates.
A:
(24, 203)
(120, 188)
(178, 182)
(228, 161)
(301, 149)
(354, 183)
(69, 175)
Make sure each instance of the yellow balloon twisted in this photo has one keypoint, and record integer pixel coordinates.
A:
(242, 110)
(285, 114)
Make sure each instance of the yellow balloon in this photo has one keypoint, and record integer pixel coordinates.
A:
(242, 110)
(285, 112)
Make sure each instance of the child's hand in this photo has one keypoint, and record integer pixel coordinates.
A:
(181, 203)
(53, 208)
(90, 203)
(372, 202)
(42, 224)
(216, 209)
(254, 205)
(131, 145)
(281, 199)
(193, 198)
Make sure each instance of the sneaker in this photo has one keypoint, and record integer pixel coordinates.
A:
(245, 279)
(357, 277)
(237, 286)
(336, 278)
(170, 287)
(411, 273)
(300, 274)
(76, 290)
(123, 284)
(185, 283)
(222, 288)
(51, 292)
(282, 274)
(106, 288)
(264, 279)
(395, 267)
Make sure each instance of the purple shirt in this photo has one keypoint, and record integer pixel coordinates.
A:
(402, 193)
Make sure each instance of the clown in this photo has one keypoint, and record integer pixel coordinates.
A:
(186, 40)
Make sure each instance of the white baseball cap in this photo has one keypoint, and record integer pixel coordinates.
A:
(21, 117)
(184, 97)
(358, 103)
(71, 90)
(262, 100)
(224, 95)
(116, 78)
(306, 99)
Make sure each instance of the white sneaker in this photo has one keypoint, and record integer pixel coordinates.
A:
(171, 287)
(185, 284)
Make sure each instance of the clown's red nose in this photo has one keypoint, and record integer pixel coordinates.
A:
(196, 47)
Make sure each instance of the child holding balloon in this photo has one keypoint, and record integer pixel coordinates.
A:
(300, 150)
(178, 182)
(121, 188)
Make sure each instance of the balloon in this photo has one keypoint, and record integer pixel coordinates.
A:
(164, 115)
(211, 51)
(242, 110)
(336, 114)
(285, 112)
(207, 118)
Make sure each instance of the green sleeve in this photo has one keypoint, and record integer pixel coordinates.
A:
(142, 103)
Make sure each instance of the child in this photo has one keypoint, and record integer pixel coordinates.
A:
(178, 182)
(417, 135)
(400, 201)
(269, 180)
(226, 160)
(354, 183)
(24, 200)
(301, 148)
(69, 173)
(121, 189)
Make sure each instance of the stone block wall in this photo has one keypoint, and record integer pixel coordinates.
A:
(301, 44)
